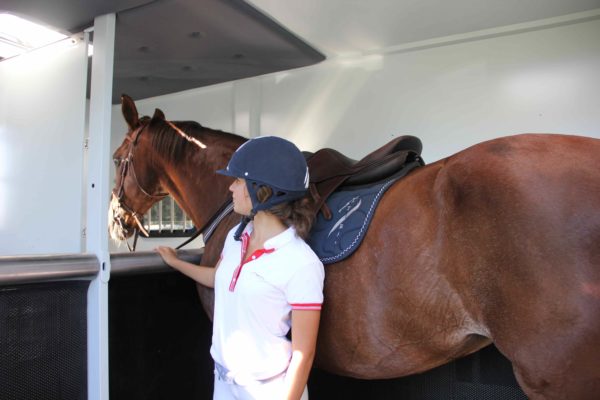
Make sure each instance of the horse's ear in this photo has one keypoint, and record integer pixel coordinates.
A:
(130, 112)
(158, 114)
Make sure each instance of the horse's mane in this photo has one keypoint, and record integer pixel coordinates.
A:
(172, 146)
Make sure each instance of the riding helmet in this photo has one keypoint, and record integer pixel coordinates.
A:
(270, 161)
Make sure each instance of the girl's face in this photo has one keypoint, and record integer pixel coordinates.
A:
(241, 199)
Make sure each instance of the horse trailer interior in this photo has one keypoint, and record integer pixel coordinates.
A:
(82, 318)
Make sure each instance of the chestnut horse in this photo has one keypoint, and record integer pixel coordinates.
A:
(498, 243)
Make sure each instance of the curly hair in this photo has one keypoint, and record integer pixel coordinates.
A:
(297, 213)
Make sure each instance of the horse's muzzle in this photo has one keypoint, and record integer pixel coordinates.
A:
(121, 224)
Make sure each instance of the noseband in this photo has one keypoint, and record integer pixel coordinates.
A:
(127, 168)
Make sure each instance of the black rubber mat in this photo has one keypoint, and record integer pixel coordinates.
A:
(43, 341)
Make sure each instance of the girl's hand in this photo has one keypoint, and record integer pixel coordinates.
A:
(168, 254)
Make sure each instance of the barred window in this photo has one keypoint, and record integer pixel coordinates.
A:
(167, 219)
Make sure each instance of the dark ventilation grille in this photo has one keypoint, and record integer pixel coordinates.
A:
(159, 339)
(43, 341)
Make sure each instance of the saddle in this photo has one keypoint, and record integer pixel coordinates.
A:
(330, 169)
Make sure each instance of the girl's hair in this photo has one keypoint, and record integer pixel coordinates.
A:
(296, 213)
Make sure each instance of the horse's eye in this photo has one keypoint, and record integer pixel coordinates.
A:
(117, 161)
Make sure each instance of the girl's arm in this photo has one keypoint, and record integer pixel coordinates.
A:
(201, 274)
(305, 326)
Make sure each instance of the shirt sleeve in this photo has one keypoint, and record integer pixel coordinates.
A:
(304, 290)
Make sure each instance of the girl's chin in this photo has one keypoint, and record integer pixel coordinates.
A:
(240, 212)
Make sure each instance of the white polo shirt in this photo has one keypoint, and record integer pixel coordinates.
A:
(254, 300)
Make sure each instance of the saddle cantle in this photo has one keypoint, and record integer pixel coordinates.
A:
(330, 169)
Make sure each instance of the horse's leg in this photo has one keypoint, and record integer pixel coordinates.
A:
(555, 356)
(551, 339)
(554, 341)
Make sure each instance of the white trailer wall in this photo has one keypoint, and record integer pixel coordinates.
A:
(42, 117)
(450, 96)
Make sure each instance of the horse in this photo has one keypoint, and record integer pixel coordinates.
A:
(499, 243)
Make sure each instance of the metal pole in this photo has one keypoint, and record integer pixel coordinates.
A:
(97, 203)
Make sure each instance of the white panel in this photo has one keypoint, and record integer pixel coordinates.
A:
(210, 106)
(246, 107)
(42, 98)
(451, 97)
(346, 27)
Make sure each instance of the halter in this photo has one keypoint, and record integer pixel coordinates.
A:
(128, 168)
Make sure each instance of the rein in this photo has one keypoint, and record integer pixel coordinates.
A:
(209, 227)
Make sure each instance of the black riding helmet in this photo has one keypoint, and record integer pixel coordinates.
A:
(269, 161)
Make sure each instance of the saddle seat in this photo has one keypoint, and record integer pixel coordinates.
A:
(329, 169)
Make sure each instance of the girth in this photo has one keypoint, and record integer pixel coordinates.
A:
(330, 169)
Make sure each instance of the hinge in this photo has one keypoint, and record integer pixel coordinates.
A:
(86, 144)
(83, 233)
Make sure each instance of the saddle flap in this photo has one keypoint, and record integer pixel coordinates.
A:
(327, 163)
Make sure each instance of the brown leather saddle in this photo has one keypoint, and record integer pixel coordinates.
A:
(329, 169)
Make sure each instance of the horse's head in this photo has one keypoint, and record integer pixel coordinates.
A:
(137, 186)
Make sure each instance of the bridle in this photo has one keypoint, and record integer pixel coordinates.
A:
(128, 168)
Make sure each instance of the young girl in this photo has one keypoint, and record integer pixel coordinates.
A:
(267, 280)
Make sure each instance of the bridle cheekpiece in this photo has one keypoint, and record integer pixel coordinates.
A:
(127, 168)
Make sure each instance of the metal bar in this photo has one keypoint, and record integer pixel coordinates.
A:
(172, 213)
(160, 216)
(149, 219)
(97, 203)
(163, 224)
(32, 269)
(147, 262)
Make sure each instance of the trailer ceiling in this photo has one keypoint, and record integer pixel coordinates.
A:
(166, 46)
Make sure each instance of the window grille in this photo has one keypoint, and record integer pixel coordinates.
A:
(167, 219)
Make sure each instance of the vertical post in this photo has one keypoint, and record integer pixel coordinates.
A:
(247, 107)
(256, 107)
(97, 203)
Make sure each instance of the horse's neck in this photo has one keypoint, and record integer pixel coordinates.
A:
(194, 185)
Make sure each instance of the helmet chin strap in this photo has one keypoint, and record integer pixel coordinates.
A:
(243, 223)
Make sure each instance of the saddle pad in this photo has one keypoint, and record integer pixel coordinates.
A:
(352, 210)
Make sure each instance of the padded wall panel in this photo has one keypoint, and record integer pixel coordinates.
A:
(159, 339)
(43, 341)
(485, 375)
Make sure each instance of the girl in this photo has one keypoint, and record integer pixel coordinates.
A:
(275, 284)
